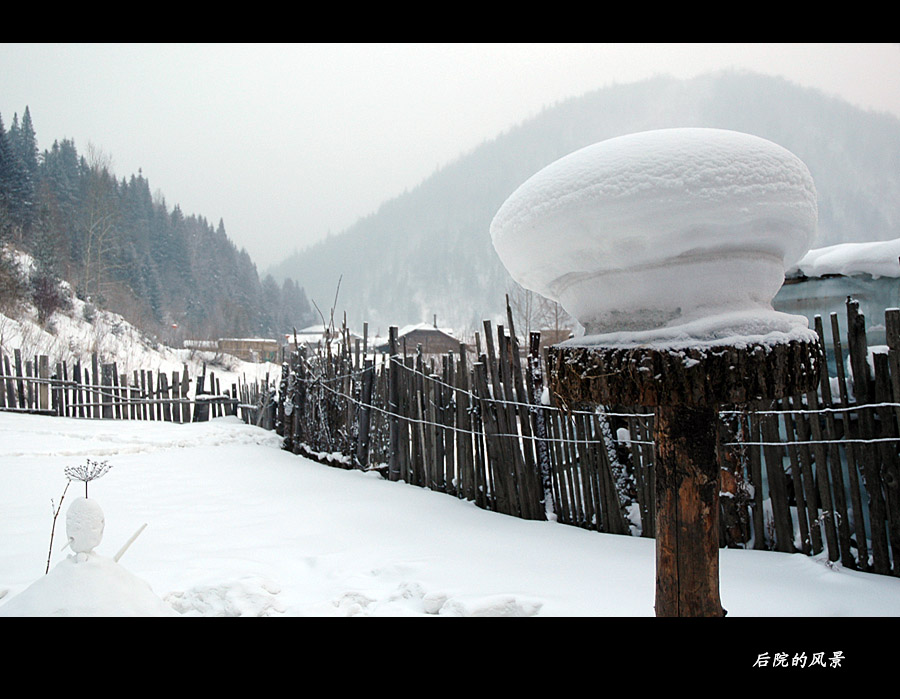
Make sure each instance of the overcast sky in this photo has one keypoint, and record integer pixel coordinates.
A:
(286, 142)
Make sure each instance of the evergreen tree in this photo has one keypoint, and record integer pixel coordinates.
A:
(124, 249)
(16, 189)
(26, 145)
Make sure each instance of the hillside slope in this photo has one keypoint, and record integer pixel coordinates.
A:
(428, 253)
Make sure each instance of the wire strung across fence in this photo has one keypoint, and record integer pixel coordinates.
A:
(606, 414)
(99, 390)
(809, 473)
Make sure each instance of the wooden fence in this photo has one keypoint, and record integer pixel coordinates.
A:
(101, 391)
(816, 473)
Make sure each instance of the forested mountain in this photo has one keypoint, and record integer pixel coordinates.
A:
(428, 252)
(171, 274)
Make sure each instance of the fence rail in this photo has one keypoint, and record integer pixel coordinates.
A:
(817, 473)
(101, 391)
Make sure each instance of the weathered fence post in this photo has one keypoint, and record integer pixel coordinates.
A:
(668, 246)
(106, 391)
(362, 446)
(394, 405)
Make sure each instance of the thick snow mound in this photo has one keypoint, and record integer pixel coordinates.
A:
(660, 227)
(87, 585)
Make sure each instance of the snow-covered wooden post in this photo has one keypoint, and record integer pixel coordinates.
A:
(668, 247)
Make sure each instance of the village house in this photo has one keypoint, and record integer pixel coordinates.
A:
(434, 340)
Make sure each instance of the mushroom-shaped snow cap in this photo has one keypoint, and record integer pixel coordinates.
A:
(660, 228)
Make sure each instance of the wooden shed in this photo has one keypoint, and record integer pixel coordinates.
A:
(251, 349)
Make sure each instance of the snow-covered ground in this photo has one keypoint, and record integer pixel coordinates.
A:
(238, 527)
(235, 526)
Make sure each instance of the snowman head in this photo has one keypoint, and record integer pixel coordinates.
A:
(84, 525)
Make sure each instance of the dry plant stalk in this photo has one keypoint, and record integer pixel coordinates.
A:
(53, 528)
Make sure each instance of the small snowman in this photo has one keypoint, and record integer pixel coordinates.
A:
(84, 518)
(86, 583)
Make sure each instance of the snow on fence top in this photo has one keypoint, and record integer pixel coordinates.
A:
(682, 231)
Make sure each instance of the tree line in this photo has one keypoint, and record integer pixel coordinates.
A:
(123, 249)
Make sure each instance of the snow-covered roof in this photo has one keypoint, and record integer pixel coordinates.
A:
(407, 329)
(876, 258)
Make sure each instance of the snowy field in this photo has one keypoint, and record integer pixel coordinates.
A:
(238, 527)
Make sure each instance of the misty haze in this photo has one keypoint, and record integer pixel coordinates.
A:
(400, 349)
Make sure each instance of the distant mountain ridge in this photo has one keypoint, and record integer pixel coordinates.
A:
(428, 252)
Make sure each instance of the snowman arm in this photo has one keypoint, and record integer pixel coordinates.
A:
(129, 543)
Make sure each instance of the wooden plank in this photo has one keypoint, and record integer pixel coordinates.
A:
(176, 397)
(523, 398)
(96, 395)
(465, 459)
(889, 472)
(857, 347)
(448, 415)
(20, 382)
(473, 421)
(58, 388)
(810, 492)
(826, 501)
(641, 480)
(420, 436)
(510, 426)
(587, 475)
(163, 385)
(892, 333)
(506, 467)
(563, 504)
(394, 405)
(158, 398)
(836, 472)
(414, 462)
(29, 385)
(784, 530)
(647, 451)
(617, 522)
(78, 395)
(201, 406)
(409, 471)
(116, 395)
(5, 382)
(493, 454)
(365, 413)
(570, 457)
(432, 401)
(43, 387)
(185, 394)
(852, 450)
(756, 482)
